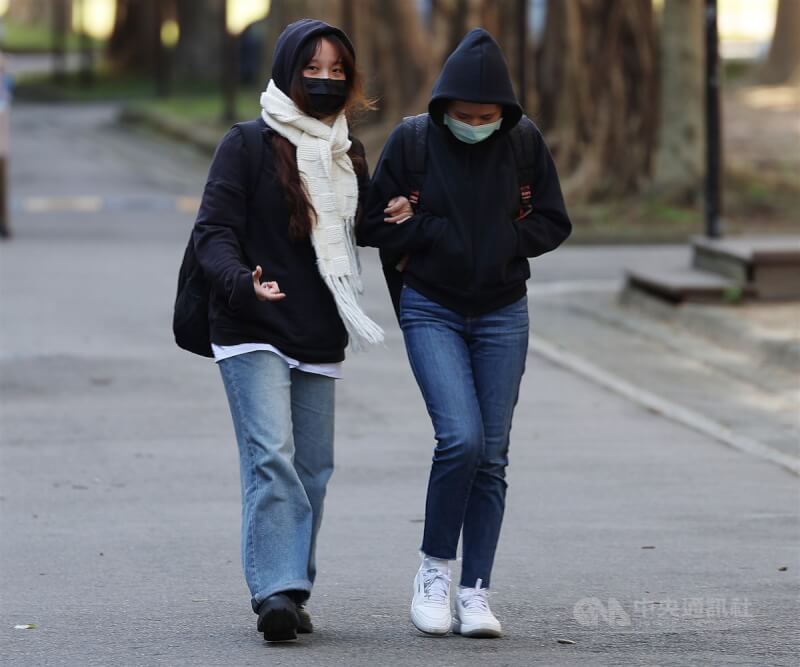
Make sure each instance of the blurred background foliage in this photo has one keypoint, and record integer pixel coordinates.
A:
(617, 86)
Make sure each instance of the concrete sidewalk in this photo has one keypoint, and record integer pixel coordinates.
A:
(641, 541)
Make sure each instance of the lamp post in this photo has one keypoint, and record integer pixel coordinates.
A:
(60, 26)
(230, 66)
(5, 140)
(522, 49)
(86, 47)
(165, 36)
(713, 132)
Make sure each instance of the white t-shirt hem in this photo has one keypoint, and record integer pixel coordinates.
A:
(333, 370)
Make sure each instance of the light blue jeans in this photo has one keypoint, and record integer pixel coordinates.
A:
(284, 424)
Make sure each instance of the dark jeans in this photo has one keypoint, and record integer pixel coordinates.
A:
(469, 371)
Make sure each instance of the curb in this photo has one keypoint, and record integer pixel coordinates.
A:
(201, 138)
(711, 326)
(667, 409)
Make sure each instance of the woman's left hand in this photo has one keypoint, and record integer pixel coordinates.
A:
(398, 210)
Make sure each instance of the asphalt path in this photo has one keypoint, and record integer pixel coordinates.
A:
(639, 540)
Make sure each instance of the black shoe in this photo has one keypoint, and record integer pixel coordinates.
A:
(304, 625)
(277, 618)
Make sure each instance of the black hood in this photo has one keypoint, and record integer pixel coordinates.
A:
(476, 72)
(291, 42)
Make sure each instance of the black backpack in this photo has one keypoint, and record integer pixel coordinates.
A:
(190, 316)
(415, 146)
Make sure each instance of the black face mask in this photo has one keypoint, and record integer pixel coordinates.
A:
(327, 95)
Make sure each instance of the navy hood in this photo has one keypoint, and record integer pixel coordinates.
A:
(476, 72)
(292, 41)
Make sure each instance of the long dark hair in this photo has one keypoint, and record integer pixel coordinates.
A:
(302, 216)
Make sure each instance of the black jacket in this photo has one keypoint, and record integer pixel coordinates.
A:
(232, 235)
(468, 247)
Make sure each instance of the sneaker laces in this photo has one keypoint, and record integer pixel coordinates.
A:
(475, 599)
(436, 585)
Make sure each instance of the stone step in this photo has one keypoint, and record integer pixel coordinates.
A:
(769, 265)
(681, 283)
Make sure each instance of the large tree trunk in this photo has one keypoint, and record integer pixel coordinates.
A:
(503, 20)
(199, 54)
(400, 56)
(394, 55)
(134, 42)
(29, 11)
(597, 79)
(783, 60)
(412, 55)
(679, 167)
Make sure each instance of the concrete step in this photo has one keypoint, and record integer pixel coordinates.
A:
(769, 265)
(681, 283)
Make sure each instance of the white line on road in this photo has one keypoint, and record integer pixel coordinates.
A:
(93, 204)
(664, 407)
(56, 204)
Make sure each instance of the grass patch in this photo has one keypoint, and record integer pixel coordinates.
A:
(193, 102)
(201, 103)
(634, 220)
(205, 107)
(754, 202)
(104, 86)
(37, 38)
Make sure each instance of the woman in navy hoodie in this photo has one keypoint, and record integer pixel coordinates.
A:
(277, 245)
(463, 249)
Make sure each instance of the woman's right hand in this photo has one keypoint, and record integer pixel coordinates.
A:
(398, 210)
(266, 291)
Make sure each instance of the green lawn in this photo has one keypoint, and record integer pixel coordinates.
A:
(34, 38)
(206, 108)
(198, 103)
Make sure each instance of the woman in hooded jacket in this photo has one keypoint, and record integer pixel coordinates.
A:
(462, 248)
(281, 259)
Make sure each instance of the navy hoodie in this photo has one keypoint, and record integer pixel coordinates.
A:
(467, 247)
(235, 232)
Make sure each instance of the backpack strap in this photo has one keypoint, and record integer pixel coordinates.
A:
(415, 147)
(253, 135)
(523, 143)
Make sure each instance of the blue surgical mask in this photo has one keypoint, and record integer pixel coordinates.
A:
(471, 134)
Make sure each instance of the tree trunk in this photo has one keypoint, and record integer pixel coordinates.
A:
(29, 12)
(783, 61)
(134, 43)
(394, 55)
(679, 164)
(198, 56)
(503, 21)
(597, 81)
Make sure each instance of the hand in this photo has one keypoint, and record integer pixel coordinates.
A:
(268, 291)
(398, 210)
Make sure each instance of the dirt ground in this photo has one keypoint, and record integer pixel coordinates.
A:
(761, 126)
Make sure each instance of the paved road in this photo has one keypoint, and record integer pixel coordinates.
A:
(641, 541)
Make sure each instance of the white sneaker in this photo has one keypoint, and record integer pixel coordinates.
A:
(473, 618)
(430, 608)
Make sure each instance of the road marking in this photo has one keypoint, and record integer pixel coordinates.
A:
(54, 204)
(112, 203)
(664, 407)
(188, 204)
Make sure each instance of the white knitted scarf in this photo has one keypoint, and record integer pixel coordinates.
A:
(330, 181)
